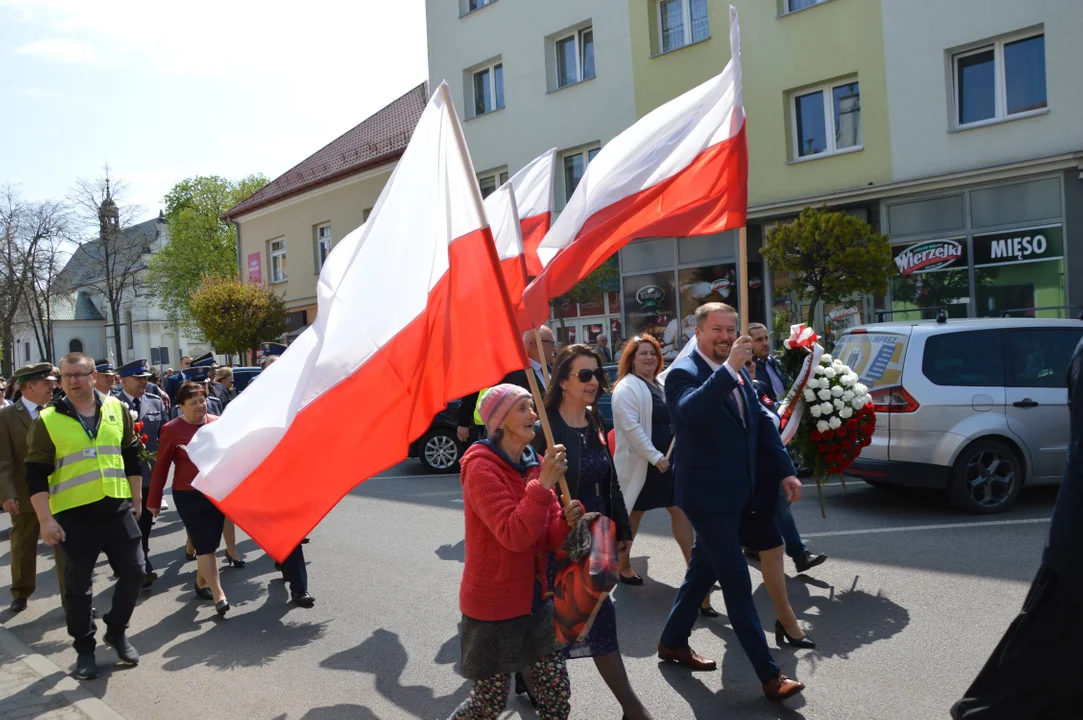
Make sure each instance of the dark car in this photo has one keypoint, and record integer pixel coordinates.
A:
(242, 376)
(439, 449)
(605, 401)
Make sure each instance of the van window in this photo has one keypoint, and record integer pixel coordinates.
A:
(1039, 357)
(876, 358)
(964, 359)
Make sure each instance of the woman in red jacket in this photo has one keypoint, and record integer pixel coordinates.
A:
(513, 520)
(201, 518)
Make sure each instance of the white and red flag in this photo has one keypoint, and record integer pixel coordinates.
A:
(681, 170)
(534, 195)
(399, 300)
(500, 207)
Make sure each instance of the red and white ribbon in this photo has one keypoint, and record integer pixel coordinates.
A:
(792, 409)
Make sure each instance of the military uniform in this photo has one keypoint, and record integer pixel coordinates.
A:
(15, 421)
(150, 411)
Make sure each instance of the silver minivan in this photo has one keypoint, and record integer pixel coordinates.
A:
(974, 407)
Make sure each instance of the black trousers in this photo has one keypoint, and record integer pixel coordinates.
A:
(107, 526)
(146, 522)
(294, 571)
(1033, 673)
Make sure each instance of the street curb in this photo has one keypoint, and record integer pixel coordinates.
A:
(79, 697)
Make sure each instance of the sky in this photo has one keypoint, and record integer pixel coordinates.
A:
(165, 91)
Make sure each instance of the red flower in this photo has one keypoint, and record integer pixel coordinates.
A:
(138, 426)
(144, 438)
(830, 458)
(841, 432)
(828, 434)
(846, 444)
(851, 424)
(823, 447)
(815, 436)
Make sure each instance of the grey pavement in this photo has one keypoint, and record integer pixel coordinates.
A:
(905, 612)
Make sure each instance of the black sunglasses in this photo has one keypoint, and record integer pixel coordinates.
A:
(585, 375)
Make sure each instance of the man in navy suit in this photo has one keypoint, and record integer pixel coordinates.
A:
(725, 442)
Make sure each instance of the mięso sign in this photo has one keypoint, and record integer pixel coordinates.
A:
(1019, 246)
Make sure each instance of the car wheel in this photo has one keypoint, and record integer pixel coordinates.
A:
(440, 451)
(986, 478)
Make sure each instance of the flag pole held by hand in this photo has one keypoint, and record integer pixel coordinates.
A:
(742, 264)
(669, 453)
(545, 366)
(565, 494)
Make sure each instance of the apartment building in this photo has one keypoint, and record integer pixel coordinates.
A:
(945, 123)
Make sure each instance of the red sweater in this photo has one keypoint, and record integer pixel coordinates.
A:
(511, 524)
(172, 450)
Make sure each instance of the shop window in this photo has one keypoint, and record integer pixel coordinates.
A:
(964, 359)
(707, 247)
(650, 306)
(826, 120)
(999, 81)
(932, 274)
(1018, 203)
(1038, 358)
(926, 216)
(647, 254)
(1020, 273)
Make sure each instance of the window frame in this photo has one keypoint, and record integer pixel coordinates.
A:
(787, 8)
(479, 5)
(829, 120)
(491, 69)
(576, 36)
(686, 14)
(499, 177)
(319, 245)
(272, 255)
(588, 153)
(1000, 81)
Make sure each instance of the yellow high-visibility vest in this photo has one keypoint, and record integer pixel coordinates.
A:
(86, 470)
(477, 408)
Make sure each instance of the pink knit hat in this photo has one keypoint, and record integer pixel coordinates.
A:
(497, 403)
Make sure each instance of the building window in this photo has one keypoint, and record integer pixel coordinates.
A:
(575, 57)
(129, 334)
(795, 5)
(827, 120)
(76, 345)
(26, 351)
(491, 181)
(323, 244)
(998, 81)
(489, 89)
(682, 22)
(278, 260)
(472, 5)
(575, 164)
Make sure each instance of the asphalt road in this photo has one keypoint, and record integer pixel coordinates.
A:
(905, 612)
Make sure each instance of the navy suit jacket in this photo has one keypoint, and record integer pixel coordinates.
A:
(720, 465)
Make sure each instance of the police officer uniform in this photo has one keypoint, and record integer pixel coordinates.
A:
(200, 375)
(15, 421)
(82, 473)
(151, 412)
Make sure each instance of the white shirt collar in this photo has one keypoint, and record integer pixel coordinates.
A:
(31, 407)
(538, 371)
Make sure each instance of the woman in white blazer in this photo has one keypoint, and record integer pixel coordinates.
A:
(643, 436)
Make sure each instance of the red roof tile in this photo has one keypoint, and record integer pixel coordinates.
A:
(380, 139)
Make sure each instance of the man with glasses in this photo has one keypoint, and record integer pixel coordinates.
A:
(86, 486)
(36, 383)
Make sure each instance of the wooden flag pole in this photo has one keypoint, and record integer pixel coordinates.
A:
(742, 265)
(539, 406)
(672, 443)
(545, 367)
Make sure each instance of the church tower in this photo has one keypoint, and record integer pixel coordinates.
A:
(108, 215)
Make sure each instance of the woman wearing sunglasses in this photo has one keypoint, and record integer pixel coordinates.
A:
(571, 404)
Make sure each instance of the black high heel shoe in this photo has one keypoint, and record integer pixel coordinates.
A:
(520, 688)
(804, 643)
(235, 563)
(708, 611)
(203, 592)
(222, 607)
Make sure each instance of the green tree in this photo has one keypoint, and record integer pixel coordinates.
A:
(200, 244)
(833, 255)
(234, 316)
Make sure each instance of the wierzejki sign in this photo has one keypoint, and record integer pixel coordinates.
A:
(989, 249)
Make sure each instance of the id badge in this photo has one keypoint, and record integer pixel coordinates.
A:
(90, 452)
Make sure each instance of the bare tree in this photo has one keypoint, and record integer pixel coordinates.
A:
(112, 261)
(46, 285)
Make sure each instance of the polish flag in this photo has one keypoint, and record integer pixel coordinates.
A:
(533, 187)
(500, 208)
(680, 171)
(397, 297)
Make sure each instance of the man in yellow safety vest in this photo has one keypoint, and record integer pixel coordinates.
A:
(85, 483)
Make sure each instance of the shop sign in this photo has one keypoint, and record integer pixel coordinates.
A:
(842, 312)
(930, 255)
(650, 296)
(754, 283)
(721, 284)
(255, 269)
(1019, 246)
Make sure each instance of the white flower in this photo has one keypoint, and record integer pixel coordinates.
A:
(826, 358)
(837, 391)
(815, 411)
(825, 394)
(848, 395)
(839, 404)
(848, 379)
(845, 413)
(819, 370)
(859, 402)
(834, 423)
(812, 383)
(830, 372)
(827, 408)
(810, 395)
(134, 414)
(860, 389)
(823, 426)
(839, 367)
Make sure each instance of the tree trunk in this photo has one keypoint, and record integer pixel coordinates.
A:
(8, 341)
(116, 335)
(812, 309)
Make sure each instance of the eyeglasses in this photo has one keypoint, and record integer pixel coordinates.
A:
(586, 374)
(549, 342)
(76, 376)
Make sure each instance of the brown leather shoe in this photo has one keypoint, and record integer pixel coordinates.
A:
(686, 657)
(782, 688)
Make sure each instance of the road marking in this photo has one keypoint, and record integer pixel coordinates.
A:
(910, 528)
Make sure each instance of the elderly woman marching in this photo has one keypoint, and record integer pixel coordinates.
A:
(513, 519)
(571, 404)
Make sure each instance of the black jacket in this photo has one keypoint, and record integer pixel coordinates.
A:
(615, 509)
(763, 377)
